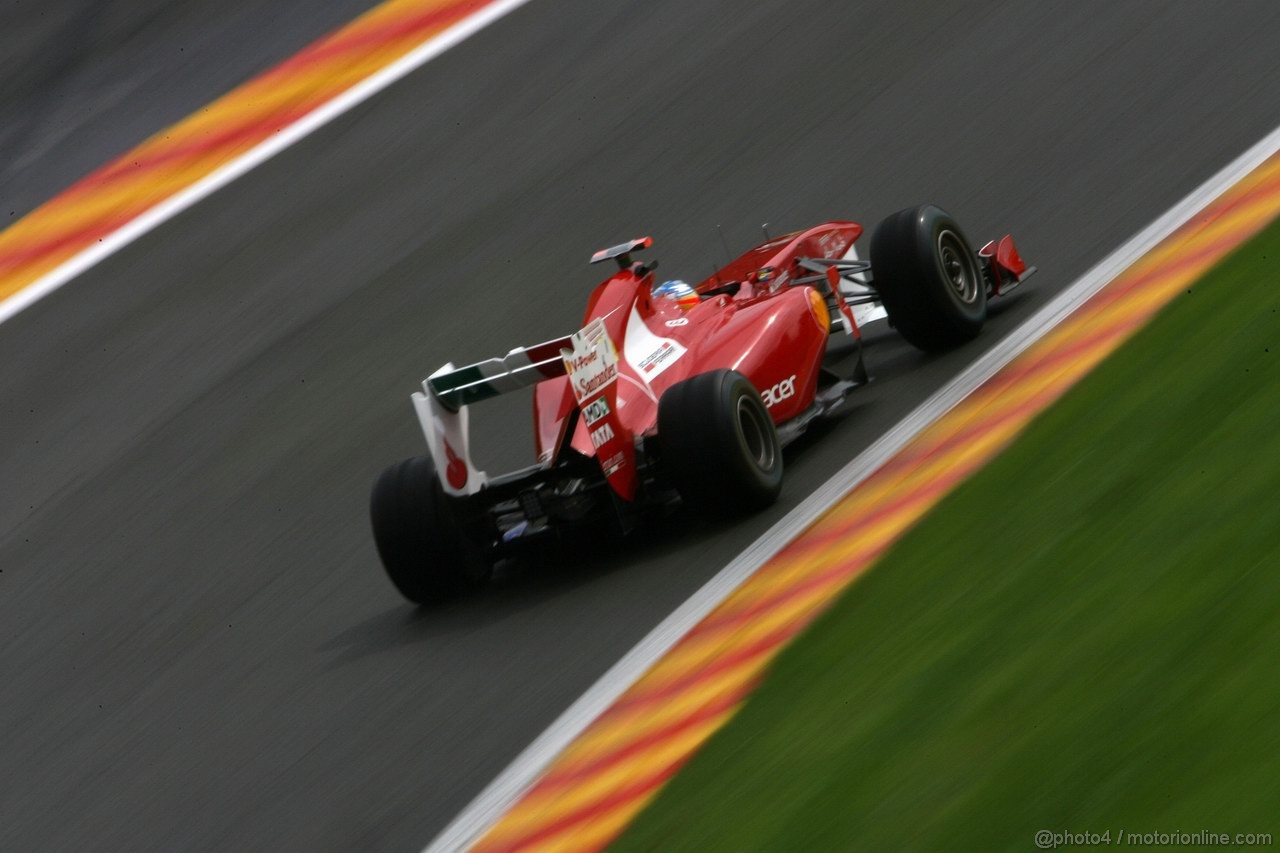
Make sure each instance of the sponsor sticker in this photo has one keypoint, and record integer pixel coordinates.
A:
(613, 463)
(831, 244)
(592, 364)
(649, 354)
(656, 361)
(677, 322)
(784, 390)
(601, 436)
(595, 410)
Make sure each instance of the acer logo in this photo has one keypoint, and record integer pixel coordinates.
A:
(601, 436)
(784, 390)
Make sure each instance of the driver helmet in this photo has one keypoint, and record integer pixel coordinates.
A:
(679, 292)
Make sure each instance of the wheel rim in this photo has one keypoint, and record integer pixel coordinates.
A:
(755, 433)
(957, 265)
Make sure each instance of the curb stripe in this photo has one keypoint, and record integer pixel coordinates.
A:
(723, 702)
(179, 166)
(588, 793)
(624, 798)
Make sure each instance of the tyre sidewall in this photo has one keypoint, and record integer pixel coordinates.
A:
(914, 285)
(705, 447)
(423, 549)
(930, 226)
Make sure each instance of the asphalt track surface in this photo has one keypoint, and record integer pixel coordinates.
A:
(199, 651)
(83, 81)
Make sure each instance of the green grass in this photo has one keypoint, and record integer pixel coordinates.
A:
(1084, 637)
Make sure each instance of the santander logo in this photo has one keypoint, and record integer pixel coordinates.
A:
(597, 381)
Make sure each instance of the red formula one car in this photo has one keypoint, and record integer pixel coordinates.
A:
(658, 400)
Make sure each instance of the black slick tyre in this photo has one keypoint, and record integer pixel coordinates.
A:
(718, 443)
(425, 553)
(928, 277)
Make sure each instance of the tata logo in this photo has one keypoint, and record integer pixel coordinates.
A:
(784, 390)
(601, 436)
(595, 411)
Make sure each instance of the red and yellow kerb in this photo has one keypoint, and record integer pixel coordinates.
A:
(183, 154)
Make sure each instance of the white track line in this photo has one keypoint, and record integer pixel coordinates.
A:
(254, 157)
(506, 789)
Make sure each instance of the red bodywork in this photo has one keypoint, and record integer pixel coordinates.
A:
(773, 334)
(1008, 265)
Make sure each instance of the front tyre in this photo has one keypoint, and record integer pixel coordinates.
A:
(718, 443)
(928, 277)
(424, 551)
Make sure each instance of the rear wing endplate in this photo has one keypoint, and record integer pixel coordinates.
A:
(442, 405)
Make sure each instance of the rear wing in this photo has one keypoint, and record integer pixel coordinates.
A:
(590, 360)
(520, 368)
(622, 252)
(442, 405)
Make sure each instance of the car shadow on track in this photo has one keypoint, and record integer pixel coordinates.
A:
(521, 584)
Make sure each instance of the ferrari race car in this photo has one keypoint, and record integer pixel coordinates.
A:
(657, 401)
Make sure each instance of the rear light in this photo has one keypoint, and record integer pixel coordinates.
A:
(818, 308)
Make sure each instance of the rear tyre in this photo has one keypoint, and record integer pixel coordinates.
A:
(928, 277)
(424, 551)
(719, 445)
